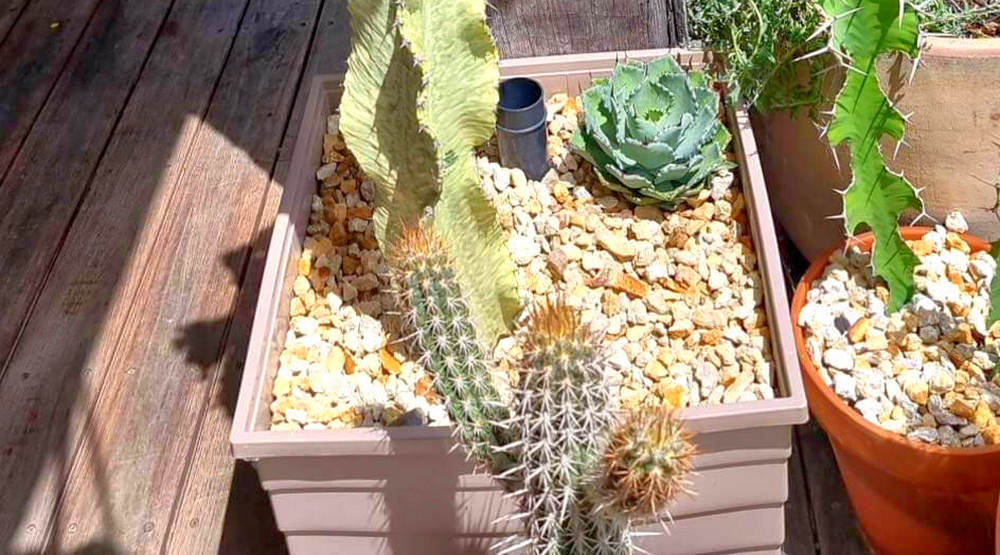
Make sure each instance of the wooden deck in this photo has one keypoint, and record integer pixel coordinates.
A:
(143, 147)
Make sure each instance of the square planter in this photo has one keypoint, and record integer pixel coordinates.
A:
(405, 490)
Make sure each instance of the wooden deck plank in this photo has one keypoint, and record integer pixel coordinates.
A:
(543, 27)
(10, 12)
(799, 519)
(94, 279)
(32, 55)
(205, 522)
(155, 393)
(52, 170)
(837, 531)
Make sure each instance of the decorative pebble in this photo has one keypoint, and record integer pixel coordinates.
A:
(927, 371)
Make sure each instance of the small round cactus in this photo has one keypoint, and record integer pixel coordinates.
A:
(647, 462)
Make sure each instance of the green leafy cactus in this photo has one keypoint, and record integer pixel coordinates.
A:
(415, 105)
(652, 131)
(861, 32)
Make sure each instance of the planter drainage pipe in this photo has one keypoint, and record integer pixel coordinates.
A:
(521, 126)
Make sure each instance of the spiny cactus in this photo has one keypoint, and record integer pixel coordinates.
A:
(646, 463)
(414, 108)
(438, 317)
(861, 32)
(580, 479)
(561, 416)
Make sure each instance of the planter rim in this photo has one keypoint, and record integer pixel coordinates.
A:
(788, 409)
(812, 375)
(962, 47)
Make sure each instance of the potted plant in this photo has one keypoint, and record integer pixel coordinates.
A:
(952, 139)
(517, 315)
(897, 330)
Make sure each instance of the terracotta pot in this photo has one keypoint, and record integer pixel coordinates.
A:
(909, 497)
(953, 138)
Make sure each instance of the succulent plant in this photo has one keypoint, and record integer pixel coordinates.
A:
(861, 32)
(652, 131)
(646, 463)
(412, 113)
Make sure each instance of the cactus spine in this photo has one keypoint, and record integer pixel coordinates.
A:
(561, 415)
(443, 333)
(646, 463)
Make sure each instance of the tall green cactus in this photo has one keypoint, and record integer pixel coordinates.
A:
(419, 95)
(561, 416)
(862, 31)
(438, 316)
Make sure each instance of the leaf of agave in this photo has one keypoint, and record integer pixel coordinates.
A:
(632, 180)
(380, 88)
(453, 45)
(683, 101)
(626, 79)
(862, 116)
(675, 172)
(661, 67)
(995, 286)
(584, 145)
(598, 118)
(649, 156)
(694, 135)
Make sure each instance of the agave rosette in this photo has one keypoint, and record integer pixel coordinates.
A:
(652, 131)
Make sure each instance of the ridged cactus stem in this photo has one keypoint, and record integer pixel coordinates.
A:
(444, 335)
(561, 416)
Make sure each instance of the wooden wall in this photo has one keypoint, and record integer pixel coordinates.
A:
(541, 27)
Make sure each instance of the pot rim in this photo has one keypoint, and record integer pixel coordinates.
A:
(812, 375)
(963, 47)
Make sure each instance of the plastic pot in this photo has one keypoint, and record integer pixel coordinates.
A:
(909, 497)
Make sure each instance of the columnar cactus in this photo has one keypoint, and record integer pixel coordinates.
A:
(861, 32)
(580, 477)
(438, 317)
(414, 108)
(561, 415)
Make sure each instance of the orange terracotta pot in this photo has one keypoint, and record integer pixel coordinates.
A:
(910, 498)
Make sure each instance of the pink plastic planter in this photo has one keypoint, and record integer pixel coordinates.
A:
(399, 490)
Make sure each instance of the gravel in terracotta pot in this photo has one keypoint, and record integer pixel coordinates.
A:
(892, 392)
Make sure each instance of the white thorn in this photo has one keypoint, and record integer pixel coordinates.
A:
(813, 54)
(913, 69)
